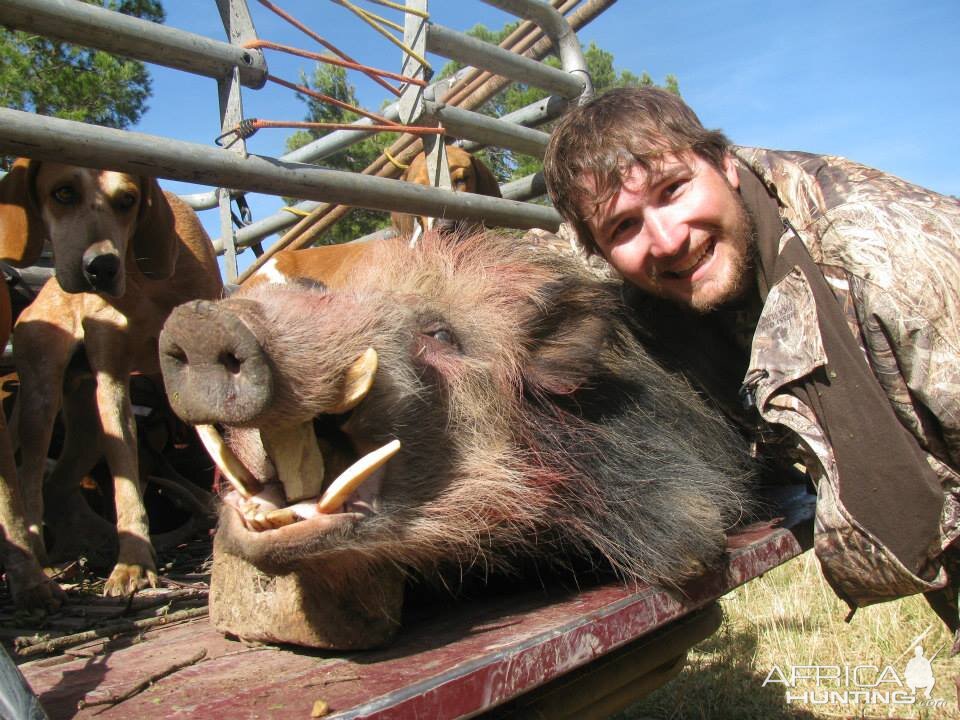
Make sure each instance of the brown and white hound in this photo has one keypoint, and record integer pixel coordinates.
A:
(125, 254)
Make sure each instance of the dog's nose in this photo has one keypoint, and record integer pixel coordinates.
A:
(102, 270)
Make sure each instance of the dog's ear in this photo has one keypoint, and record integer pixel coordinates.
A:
(21, 228)
(486, 181)
(155, 244)
(403, 224)
(416, 170)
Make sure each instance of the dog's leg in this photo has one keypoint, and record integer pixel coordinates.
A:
(76, 529)
(29, 585)
(42, 351)
(136, 563)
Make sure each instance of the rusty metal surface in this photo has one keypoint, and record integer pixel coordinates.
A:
(458, 661)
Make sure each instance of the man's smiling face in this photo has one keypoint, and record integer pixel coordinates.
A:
(679, 232)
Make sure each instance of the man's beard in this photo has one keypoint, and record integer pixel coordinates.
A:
(742, 237)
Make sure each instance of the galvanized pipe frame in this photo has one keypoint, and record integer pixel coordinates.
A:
(194, 53)
(487, 130)
(468, 50)
(522, 189)
(53, 139)
(526, 188)
(238, 24)
(93, 26)
(560, 33)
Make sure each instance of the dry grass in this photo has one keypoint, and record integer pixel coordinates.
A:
(790, 617)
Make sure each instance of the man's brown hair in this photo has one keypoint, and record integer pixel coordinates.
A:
(605, 137)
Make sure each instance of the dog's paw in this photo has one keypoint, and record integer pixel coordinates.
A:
(36, 591)
(126, 579)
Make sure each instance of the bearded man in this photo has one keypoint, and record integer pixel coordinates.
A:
(815, 299)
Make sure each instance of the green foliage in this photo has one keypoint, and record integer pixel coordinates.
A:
(332, 80)
(62, 80)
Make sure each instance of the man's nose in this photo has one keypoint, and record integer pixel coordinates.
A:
(667, 235)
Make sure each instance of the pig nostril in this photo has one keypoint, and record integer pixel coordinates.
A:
(230, 362)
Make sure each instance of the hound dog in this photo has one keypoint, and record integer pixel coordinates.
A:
(467, 174)
(125, 254)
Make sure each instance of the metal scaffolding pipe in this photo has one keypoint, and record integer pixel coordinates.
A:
(470, 51)
(77, 143)
(256, 231)
(97, 27)
(533, 114)
(488, 130)
(530, 116)
(526, 188)
(559, 31)
(320, 148)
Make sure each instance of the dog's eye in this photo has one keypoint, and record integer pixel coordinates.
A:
(66, 195)
(126, 201)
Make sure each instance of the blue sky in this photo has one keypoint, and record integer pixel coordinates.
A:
(873, 81)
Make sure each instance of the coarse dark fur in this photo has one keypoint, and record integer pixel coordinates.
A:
(532, 422)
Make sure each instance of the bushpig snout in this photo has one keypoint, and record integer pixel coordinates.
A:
(214, 367)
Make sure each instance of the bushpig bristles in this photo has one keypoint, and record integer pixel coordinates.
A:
(532, 422)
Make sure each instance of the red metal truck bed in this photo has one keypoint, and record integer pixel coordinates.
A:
(460, 661)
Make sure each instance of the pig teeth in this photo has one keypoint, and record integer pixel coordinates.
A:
(358, 382)
(354, 476)
(297, 459)
(229, 464)
(282, 517)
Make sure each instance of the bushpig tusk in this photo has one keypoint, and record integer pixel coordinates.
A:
(297, 459)
(359, 380)
(228, 463)
(354, 476)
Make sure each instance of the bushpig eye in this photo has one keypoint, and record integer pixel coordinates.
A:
(443, 334)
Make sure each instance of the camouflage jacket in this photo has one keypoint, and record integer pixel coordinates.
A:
(890, 252)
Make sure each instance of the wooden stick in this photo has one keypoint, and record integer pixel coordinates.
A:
(143, 684)
(113, 629)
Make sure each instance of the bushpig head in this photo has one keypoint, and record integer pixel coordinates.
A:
(469, 401)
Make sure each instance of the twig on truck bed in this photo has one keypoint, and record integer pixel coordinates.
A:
(143, 684)
(111, 629)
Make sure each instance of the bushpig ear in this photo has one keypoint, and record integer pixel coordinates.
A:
(573, 330)
(486, 181)
(155, 244)
(21, 229)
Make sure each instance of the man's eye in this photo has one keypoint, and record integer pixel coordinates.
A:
(626, 225)
(673, 188)
(66, 195)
